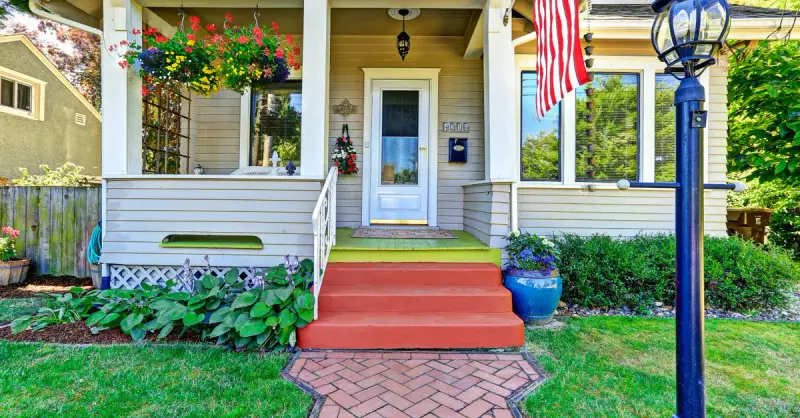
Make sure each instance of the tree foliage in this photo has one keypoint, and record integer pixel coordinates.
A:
(764, 112)
(7, 7)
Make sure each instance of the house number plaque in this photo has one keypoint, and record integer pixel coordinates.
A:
(462, 127)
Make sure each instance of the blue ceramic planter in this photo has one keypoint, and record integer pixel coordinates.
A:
(535, 296)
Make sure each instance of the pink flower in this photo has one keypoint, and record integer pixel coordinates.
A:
(123, 42)
(290, 39)
(267, 52)
(211, 27)
(243, 39)
(7, 230)
(189, 49)
(228, 17)
(136, 31)
(123, 64)
(14, 234)
(279, 53)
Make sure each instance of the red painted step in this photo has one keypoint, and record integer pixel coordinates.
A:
(376, 330)
(413, 305)
(410, 298)
(444, 274)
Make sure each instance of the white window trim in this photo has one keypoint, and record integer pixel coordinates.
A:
(244, 123)
(647, 68)
(37, 91)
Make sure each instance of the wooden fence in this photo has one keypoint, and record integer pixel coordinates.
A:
(55, 224)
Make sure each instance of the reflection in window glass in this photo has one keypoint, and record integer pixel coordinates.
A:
(607, 128)
(276, 117)
(24, 94)
(541, 139)
(400, 137)
(7, 93)
(665, 162)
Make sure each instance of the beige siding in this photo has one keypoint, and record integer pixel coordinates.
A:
(215, 125)
(627, 213)
(487, 209)
(460, 100)
(141, 213)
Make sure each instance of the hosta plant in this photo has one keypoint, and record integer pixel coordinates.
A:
(255, 56)
(59, 309)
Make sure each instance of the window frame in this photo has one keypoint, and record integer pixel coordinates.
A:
(647, 67)
(245, 123)
(560, 137)
(37, 95)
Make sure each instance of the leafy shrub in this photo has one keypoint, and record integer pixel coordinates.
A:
(219, 308)
(781, 196)
(67, 175)
(58, 309)
(600, 271)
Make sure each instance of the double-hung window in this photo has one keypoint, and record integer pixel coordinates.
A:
(275, 119)
(541, 138)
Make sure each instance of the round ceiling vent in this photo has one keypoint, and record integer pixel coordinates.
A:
(398, 13)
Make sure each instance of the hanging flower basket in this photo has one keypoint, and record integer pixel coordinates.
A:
(182, 59)
(255, 56)
(344, 157)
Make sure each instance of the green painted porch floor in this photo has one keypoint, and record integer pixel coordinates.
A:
(465, 248)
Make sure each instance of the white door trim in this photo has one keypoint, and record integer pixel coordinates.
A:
(431, 75)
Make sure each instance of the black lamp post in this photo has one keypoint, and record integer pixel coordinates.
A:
(403, 40)
(687, 34)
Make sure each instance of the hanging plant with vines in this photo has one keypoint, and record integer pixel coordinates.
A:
(255, 56)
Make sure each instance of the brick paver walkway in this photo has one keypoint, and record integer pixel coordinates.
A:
(413, 384)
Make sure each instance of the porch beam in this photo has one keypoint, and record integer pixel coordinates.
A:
(499, 81)
(336, 4)
(122, 92)
(316, 77)
(475, 38)
(525, 8)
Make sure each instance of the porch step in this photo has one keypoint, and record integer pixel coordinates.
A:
(371, 330)
(443, 274)
(397, 298)
(413, 305)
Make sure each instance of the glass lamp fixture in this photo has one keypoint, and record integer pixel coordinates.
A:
(687, 34)
(403, 40)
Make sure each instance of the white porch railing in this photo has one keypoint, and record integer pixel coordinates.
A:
(324, 223)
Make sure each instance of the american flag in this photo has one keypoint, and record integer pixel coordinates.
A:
(560, 65)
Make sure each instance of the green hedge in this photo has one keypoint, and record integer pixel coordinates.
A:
(600, 271)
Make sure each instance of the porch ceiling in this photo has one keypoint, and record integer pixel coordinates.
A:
(375, 22)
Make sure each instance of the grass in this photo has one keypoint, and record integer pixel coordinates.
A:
(147, 381)
(625, 367)
(11, 309)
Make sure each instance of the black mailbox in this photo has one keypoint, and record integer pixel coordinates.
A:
(458, 150)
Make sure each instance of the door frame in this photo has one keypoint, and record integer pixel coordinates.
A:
(427, 74)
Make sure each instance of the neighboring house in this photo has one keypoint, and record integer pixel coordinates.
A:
(468, 77)
(44, 119)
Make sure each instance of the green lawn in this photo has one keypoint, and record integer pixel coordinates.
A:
(11, 309)
(149, 381)
(625, 367)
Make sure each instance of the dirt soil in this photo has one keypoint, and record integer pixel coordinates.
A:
(79, 333)
(43, 284)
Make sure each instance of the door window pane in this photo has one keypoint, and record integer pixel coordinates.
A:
(24, 94)
(541, 139)
(665, 127)
(275, 125)
(7, 93)
(607, 128)
(400, 137)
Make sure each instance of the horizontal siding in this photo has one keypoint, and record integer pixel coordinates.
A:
(487, 209)
(460, 100)
(141, 213)
(215, 126)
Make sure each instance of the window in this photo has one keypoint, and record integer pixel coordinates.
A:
(665, 128)
(275, 124)
(607, 128)
(16, 95)
(165, 127)
(541, 139)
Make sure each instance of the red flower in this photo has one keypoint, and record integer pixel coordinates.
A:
(161, 38)
(258, 33)
(123, 64)
(194, 19)
(211, 27)
(228, 17)
(296, 66)
(267, 52)
(268, 72)
(195, 27)
(151, 31)
(145, 91)
(279, 53)
(136, 31)
(296, 50)
(217, 38)
(191, 37)
(112, 48)
(189, 49)
(290, 39)
(14, 234)
(123, 42)
(275, 26)
(243, 39)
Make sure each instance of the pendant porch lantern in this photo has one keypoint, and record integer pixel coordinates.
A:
(403, 40)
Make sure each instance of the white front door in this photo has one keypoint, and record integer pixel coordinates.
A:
(399, 159)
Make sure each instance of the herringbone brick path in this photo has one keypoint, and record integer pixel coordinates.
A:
(411, 384)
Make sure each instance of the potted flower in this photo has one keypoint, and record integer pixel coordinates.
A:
(532, 277)
(12, 269)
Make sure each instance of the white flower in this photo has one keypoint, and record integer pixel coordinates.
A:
(512, 234)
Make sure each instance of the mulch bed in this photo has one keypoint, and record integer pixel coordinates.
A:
(43, 284)
(79, 333)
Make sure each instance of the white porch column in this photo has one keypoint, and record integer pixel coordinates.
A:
(498, 70)
(316, 70)
(122, 92)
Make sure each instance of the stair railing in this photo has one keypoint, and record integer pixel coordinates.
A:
(324, 224)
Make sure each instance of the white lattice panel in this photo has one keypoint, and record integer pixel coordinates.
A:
(131, 277)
